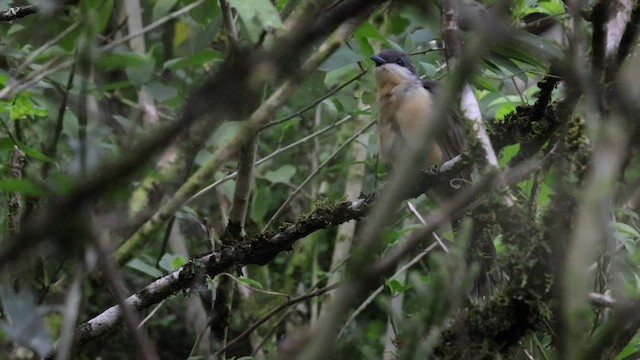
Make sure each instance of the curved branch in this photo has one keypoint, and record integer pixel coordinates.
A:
(18, 12)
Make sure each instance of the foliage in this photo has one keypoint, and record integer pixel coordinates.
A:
(121, 121)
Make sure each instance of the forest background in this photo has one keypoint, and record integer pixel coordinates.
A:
(200, 179)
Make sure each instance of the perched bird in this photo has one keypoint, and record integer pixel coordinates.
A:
(405, 106)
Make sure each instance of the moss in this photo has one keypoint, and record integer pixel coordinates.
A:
(526, 125)
(577, 147)
(192, 268)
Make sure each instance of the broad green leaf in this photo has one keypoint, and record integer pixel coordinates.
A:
(120, 60)
(170, 262)
(342, 57)
(31, 152)
(507, 67)
(505, 110)
(551, 7)
(22, 107)
(423, 36)
(625, 229)
(7, 143)
(250, 282)
(508, 153)
(366, 30)
(195, 60)
(483, 83)
(161, 8)
(628, 352)
(102, 14)
(144, 268)
(257, 16)
(140, 74)
(116, 85)
(206, 14)
(510, 99)
(160, 92)
(282, 175)
(396, 287)
(225, 132)
(260, 205)
(177, 262)
(22, 186)
(182, 32)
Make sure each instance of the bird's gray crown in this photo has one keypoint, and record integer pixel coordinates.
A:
(392, 56)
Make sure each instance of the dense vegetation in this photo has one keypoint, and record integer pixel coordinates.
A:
(201, 179)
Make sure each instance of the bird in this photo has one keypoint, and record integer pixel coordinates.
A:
(406, 104)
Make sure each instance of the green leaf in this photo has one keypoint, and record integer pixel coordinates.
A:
(7, 143)
(342, 57)
(141, 73)
(177, 262)
(366, 30)
(505, 110)
(508, 153)
(256, 16)
(506, 66)
(195, 60)
(22, 186)
(170, 262)
(423, 36)
(120, 60)
(160, 92)
(161, 8)
(483, 83)
(625, 229)
(31, 152)
(396, 287)
(144, 268)
(282, 175)
(260, 204)
(551, 7)
(22, 107)
(102, 14)
(250, 282)
(206, 13)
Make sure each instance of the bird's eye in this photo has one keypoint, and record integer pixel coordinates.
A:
(400, 62)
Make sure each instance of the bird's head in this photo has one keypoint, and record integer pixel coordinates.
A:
(393, 66)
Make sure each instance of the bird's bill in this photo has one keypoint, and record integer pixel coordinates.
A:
(378, 60)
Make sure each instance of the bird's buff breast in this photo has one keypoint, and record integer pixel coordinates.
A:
(404, 110)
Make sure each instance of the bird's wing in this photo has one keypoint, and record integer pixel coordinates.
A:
(452, 141)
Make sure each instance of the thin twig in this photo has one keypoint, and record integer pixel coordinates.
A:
(275, 311)
(315, 172)
(415, 212)
(34, 54)
(271, 156)
(313, 103)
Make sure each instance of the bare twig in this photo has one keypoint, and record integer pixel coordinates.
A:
(315, 172)
(273, 155)
(275, 311)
